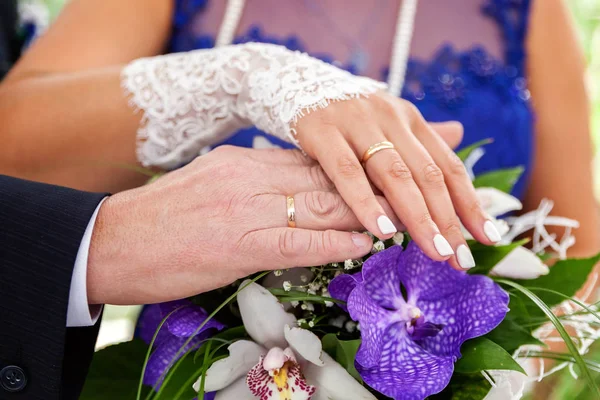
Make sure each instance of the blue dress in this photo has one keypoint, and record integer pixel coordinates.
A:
(486, 93)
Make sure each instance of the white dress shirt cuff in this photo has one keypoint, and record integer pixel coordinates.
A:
(79, 312)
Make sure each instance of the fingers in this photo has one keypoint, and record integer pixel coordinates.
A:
(293, 247)
(451, 132)
(460, 187)
(322, 211)
(291, 179)
(430, 181)
(346, 172)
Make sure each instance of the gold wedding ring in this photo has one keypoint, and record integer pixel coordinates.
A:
(291, 212)
(374, 149)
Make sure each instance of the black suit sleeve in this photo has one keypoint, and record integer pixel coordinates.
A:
(41, 227)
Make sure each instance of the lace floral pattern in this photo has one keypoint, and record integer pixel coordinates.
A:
(192, 100)
(488, 95)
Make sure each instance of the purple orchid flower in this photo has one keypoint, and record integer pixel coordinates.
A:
(411, 340)
(176, 330)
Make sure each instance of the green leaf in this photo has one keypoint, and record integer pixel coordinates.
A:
(464, 387)
(482, 354)
(510, 336)
(517, 310)
(585, 371)
(566, 277)
(115, 372)
(342, 351)
(463, 154)
(486, 257)
(503, 179)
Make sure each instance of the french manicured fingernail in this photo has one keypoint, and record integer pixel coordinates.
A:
(465, 258)
(362, 241)
(386, 225)
(491, 232)
(442, 246)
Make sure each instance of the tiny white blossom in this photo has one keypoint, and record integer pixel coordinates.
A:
(307, 307)
(377, 247)
(348, 264)
(311, 324)
(304, 278)
(287, 286)
(278, 272)
(350, 326)
(294, 303)
(398, 238)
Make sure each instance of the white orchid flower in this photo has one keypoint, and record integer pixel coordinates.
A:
(495, 203)
(521, 263)
(283, 362)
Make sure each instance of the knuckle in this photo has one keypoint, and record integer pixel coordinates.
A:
(327, 242)
(452, 227)
(474, 207)
(425, 218)
(321, 204)
(398, 170)
(348, 167)
(455, 165)
(319, 178)
(432, 174)
(291, 244)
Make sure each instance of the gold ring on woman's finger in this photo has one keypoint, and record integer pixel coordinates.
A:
(377, 147)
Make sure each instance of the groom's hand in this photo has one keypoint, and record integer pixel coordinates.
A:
(221, 218)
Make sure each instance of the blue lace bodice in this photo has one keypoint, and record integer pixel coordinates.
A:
(487, 94)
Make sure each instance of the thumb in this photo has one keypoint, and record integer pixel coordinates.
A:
(450, 131)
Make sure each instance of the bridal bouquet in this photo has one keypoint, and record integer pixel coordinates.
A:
(394, 324)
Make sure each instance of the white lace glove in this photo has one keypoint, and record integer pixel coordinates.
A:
(196, 99)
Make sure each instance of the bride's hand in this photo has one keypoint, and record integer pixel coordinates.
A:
(221, 218)
(424, 181)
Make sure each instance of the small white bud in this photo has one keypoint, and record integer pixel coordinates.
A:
(398, 238)
(311, 324)
(377, 247)
(294, 303)
(350, 326)
(278, 272)
(287, 286)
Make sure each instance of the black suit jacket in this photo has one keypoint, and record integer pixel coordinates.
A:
(41, 227)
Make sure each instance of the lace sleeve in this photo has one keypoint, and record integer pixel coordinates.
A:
(195, 99)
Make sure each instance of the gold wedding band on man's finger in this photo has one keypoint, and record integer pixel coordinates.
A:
(291, 212)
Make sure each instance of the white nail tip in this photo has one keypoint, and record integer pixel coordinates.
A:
(464, 256)
(442, 246)
(385, 225)
(491, 232)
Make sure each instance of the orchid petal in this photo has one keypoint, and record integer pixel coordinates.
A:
(374, 321)
(163, 357)
(520, 263)
(285, 383)
(334, 383)
(495, 202)
(304, 343)
(425, 278)
(342, 285)
(476, 307)
(381, 280)
(406, 371)
(263, 316)
(243, 355)
(238, 390)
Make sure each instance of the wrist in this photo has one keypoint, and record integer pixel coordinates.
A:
(102, 254)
